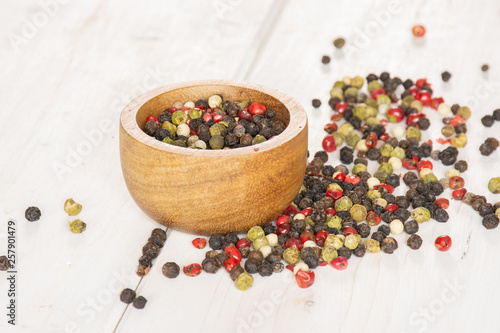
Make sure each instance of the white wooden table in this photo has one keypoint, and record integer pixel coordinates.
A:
(67, 68)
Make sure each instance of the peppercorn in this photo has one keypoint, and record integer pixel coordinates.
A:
(77, 226)
(244, 281)
(151, 127)
(32, 214)
(389, 245)
(139, 302)
(378, 236)
(325, 59)
(486, 209)
(127, 296)
(489, 146)
(4, 263)
(339, 42)
(151, 249)
(485, 67)
(344, 252)
(414, 242)
(209, 265)
(461, 166)
(448, 156)
(170, 270)
(445, 76)
(411, 226)
(490, 221)
(494, 185)
(71, 207)
(359, 251)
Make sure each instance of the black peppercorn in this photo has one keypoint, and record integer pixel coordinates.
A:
(461, 166)
(311, 260)
(344, 252)
(316, 103)
(411, 227)
(151, 249)
(252, 265)
(414, 242)
(151, 127)
(4, 263)
(489, 146)
(244, 251)
(221, 258)
(32, 214)
(215, 242)
(359, 251)
(384, 228)
(487, 120)
(209, 265)
(363, 230)
(486, 209)
(440, 215)
(448, 156)
(389, 245)
(170, 270)
(378, 236)
(445, 76)
(127, 296)
(490, 221)
(139, 302)
(265, 269)
(409, 176)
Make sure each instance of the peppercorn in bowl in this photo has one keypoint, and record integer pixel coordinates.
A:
(210, 191)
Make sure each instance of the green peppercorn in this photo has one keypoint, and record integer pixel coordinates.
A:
(334, 222)
(169, 127)
(407, 100)
(335, 241)
(459, 141)
(358, 167)
(195, 113)
(374, 85)
(373, 194)
(291, 255)
(259, 242)
(421, 214)
(328, 254)
(179, 117)
(72, 208)
(428, 178)
(343, 204)
(255, 232)
(464, 112)
(352, 241)
(413, 132)
(258, 139)
(371, 245)
(77, 226)
(494, 185)
(352, 139)
(398, 152)
(345, 129)
(244, 281)
(358, 212)
(337, 92)
(339, 138)
(216, 142)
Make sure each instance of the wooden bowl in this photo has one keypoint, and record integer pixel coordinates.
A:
(213, 191)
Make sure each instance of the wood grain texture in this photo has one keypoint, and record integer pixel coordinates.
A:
(213, 191)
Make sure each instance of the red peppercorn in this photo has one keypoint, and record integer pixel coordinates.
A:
(339, 263)
(192, 270)
(443, 243)
(329, 144)
(414, 91)
(458, 194)
(425, 98)
(207, 117)
(334, 194)
(413, 118)
(242, 114)
(322, 263)
(290, 267)
(304, 279)
(283, 229)
(256, 108)
(339, 175)
(242, 243)
(233, 252)
(185, 108)
(349, 231)
(305, 236)
(395, 115)
(353, 179)
(336, 116)
(294, 242)
(230, 263)
(340, 107)
(442, 141)
(457, 120)
(424, 164)
(306, 211)
(321, 237)
(389, 188)
(291, 211)
(172, 110)
(378, 91)
(330, 211)
(371, 140)
(421, 83)
(217, 118)
(456, 182)
(391, 208)
(199, 243)
(330, 128)
(373, 219)
(436, 101)
(155, 118)
(282, 219)
(418, 31)
(442, 203)
(384, 136)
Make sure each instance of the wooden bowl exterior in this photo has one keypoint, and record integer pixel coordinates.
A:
(213, 191)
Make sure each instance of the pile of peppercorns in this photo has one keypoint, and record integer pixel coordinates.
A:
(339, 213)
(214, 124)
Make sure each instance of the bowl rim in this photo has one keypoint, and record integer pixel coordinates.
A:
(298, 120)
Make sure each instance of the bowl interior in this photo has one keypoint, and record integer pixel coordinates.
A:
(159, 103)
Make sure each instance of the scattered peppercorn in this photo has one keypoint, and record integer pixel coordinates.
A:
(339, 43)
(170, 270)
(485, 67)
(71, 207)
(4, 263)
(488, 120)
(32, 214)
(414, 242)
(139, 302)
(325, 59)
(316, 103)
(127, 296)
(77, 226)
(445, 76)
